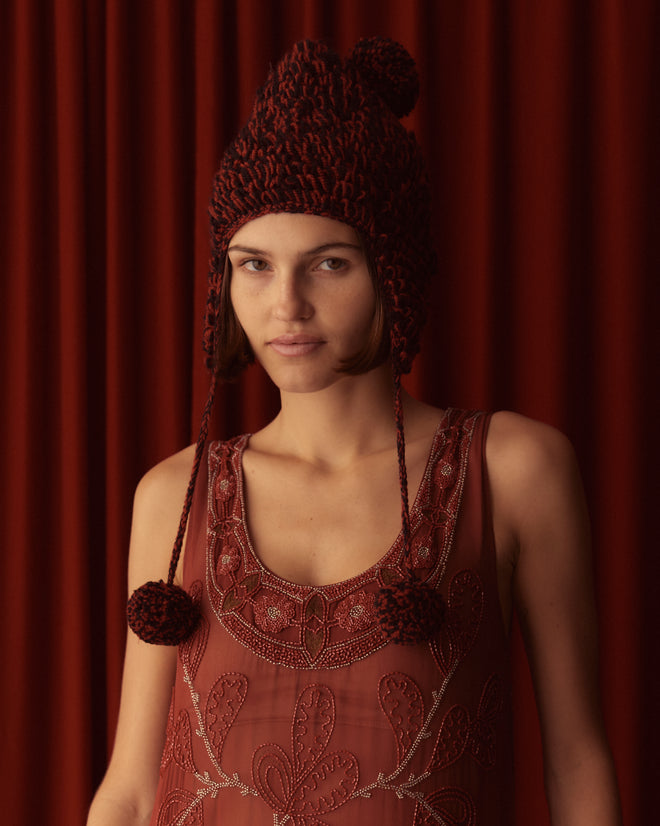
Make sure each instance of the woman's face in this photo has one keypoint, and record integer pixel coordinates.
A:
(302, 292)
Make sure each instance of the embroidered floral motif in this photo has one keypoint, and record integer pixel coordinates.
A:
(453, 806)
(192, 649)
(229, 560)
(166, 757)
(403, 705)
(224, 702)
(425, 550)
(225, 487)
(401, 700)
(483, 745)
(356, 612)
(182, 743)
(273, 612)
(444, 473)
(465, 608)
(457, 733)
(309, 782)
(421, 556)
(452, 738)
(180, 803)
(315, 628)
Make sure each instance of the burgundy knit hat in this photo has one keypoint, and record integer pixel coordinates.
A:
(325, 138)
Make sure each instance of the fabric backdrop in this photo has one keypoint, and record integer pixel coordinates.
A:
(540, 123)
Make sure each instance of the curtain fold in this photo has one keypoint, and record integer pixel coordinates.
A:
(540, 122)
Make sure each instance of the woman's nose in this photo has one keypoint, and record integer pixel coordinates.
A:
(291, 300)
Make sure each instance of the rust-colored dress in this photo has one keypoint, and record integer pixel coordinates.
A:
(290, 708)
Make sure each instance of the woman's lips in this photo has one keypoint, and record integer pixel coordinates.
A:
(295, 345)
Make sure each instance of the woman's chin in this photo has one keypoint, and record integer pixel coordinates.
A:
(299, 379)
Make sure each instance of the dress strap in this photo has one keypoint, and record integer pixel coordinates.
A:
(196, 534)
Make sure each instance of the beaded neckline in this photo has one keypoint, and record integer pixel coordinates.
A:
(328, 626)
(368, 573)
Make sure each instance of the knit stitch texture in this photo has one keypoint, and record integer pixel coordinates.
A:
(325, 138)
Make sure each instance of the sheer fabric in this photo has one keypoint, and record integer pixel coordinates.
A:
(288, 701)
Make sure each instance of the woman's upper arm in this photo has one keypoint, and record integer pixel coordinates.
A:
(149, 670)
(538, 493)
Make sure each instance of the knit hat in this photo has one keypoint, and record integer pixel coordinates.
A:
(325, 138)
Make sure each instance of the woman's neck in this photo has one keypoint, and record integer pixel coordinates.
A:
(334, 426)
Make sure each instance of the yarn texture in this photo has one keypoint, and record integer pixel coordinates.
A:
(325, 138)
(410, 612)
(162, 614)
(390, 71)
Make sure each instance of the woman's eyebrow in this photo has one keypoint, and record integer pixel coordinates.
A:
(332, 245)
(248, 250)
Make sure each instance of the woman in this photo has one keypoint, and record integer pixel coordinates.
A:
(342, 653)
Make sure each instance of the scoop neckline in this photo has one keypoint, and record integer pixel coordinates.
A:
(369, 573)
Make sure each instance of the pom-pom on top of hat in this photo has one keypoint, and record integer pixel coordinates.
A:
(410, 612)
(162, 614)
(390, 72)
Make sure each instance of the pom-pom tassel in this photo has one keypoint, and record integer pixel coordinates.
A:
(162, 614)
(410, 611)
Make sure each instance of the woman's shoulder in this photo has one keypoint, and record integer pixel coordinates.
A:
(166, 480)
(517, 441)
(161, 491)
(532, 467)
(157, 508)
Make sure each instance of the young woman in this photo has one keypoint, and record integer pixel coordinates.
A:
(342, 648)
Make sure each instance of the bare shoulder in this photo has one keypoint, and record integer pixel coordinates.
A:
(156, 512)
(166, 481)
(520, 450)
(525, 443)
(533, 474)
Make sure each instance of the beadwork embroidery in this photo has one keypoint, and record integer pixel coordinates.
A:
(192, 649)
(309, 782)
(181, 807)
(327, 627)
(356, 612)
(465, 608)
(402, 704)
(273, 612)
(314, 777)
(451, 806)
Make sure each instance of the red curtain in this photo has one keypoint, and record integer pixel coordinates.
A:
(540, 121)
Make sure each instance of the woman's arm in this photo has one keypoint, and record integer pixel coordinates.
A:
(539, 510)
(126, 795)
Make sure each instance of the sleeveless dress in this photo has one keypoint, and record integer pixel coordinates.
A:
(289, 707)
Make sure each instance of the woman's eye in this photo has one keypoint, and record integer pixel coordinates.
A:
(254, 265)
(332, 264)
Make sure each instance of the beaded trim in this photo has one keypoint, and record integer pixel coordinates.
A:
(302, 626)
